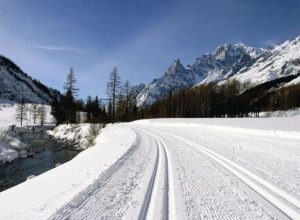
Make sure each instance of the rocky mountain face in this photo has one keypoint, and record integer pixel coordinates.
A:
(246, 64)
(16, 85)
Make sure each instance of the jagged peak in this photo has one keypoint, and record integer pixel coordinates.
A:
(176, 62)
(175, 67)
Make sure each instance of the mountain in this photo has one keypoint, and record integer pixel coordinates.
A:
(16, 85)
(246, 64)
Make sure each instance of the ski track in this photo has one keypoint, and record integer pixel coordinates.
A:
(111, 195)
(135, 187)
(167, 176)
(286, 203)
(276, 160)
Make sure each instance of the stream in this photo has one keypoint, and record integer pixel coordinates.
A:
(43, 154)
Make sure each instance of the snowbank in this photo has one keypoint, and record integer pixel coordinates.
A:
(288, 113)
(41, 196)
(12, 149)
(279, 127)
(75, 134)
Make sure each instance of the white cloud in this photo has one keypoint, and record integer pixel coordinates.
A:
(60, 48)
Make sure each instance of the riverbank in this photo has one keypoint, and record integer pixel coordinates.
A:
(44, 194)
(42, 154)
(76, 136)
(11, 147)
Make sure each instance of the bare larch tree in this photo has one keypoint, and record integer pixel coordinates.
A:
(112, 90)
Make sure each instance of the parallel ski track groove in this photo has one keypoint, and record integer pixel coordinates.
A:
(79, 200)
(275, 196)
(146, 203)
(160, 145)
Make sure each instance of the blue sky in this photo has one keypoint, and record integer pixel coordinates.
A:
(141, 37)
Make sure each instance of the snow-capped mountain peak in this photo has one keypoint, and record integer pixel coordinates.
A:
(175, 68)
(228, 61)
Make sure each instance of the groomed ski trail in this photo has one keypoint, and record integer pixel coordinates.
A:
(168, 176)
(135, 187)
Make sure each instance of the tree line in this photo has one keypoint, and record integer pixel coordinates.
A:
(119, 105)
(230, 99)
(35, 113)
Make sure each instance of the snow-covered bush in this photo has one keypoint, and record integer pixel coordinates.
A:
(93, 132)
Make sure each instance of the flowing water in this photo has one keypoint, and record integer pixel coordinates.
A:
(44, 154)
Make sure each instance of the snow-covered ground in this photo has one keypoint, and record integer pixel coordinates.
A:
(9, 152)
(288, 113)
(46, 193)
(236, 168)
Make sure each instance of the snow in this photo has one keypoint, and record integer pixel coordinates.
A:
(44, 194)
(268, 148)
(12, 151)
(77, 134)
(246, 64)
(293, 82)
(16, 85)
(221, 168)
(272, 67)
(287, 113)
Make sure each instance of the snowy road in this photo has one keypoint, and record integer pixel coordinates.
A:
(195, 173)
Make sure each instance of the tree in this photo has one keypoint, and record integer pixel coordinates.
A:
(34, 112)
(109, 111)
(42, 113)
(58, 111)
(112, 90)
(71, 82)
(68, 104)
(68, 101)
(128, 98)
(96, 108)
(89, 107)
(21, 112)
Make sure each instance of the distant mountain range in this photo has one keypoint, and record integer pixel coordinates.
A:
(246, 64)
(16, 85)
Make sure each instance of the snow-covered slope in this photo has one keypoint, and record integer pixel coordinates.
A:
(246, 64)
(15, 85)
(280, 61)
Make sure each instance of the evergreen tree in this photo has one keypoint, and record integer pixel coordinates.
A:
(57, 110)
(68, 103)
(89, 107)
(96, 108)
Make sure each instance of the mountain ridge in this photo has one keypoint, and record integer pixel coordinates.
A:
(246, 64)
(16, 85)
